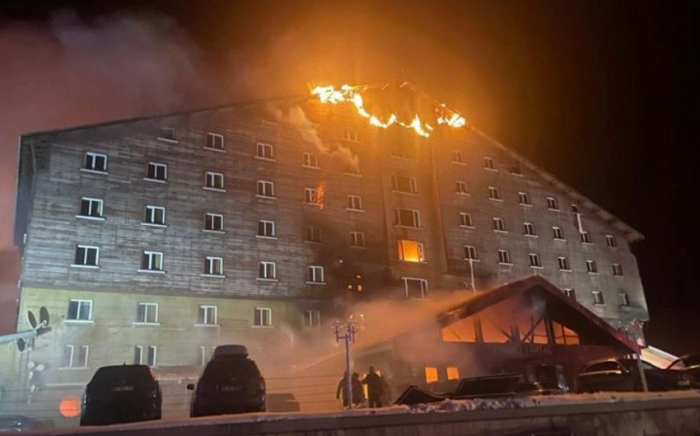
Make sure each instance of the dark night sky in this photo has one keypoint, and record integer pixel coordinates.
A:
(599, 93)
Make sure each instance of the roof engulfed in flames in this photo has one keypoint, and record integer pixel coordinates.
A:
(442, 115)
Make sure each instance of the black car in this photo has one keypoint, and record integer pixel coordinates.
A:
(687, 371)
(231, 383)
(622, 374)
(121, 393)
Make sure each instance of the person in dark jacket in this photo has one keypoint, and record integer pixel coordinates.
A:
(358, 393)
(375, 387)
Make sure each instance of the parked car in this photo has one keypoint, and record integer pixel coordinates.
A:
(231, 383)
(119, 394)
(622, 374)
(19, 423)
(687, 370)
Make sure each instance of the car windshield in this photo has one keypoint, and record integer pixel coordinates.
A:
(112, 375)
(226, 368)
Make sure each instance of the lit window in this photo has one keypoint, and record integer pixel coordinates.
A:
(357, 239)
(617, 269)
(152, 261)
(213, 222)
(535, 261)
(314, 234)
(266, 189)
(552, 203)
(157, 171)
(524, 198)
(311, 196)
(452, 373)
(494, 194)
(407, 217)
(415, 288)
(611, 241)
(557, 234)
(310, 160)
(147, 313)
(404, 184)
(569, 292)
(457, 157)
(266, 270)
(624, 299)
(312, 318)
(155, 215)
(95, 162)
(470, 252)
(214, 266)
(598, 298)
(207, 315)
(265, 151)
(504, 257)
(465, 219)
(431, 374)
(354, 202)
(315, 274)
(214, 141)
(564, 263)
(214, 180)
(168, 134)
(262, 317)
(529, 229)
(591, 266)
(79, 310)
(349, 135)
(75, 357)
(266, 228)
(462, 187)
(411, 251)
(91, 207)
(86, 255)
(499, 225)
(585, 238)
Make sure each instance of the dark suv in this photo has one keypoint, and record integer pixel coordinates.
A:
(230, 383)
(622, 374)
(121, 393)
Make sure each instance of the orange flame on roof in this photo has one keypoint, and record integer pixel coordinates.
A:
(353, 94)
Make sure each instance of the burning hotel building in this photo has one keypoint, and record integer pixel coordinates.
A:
(153, 240)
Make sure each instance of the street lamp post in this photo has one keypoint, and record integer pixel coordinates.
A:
(346, 332)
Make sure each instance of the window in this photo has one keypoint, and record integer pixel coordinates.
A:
(611, 241)
(349, 135)
(214, 266)
(266, 228)
(152, 355)
(314, 234)
(152, 261)
(570, 292)
(86, 255)
(315, 274)
(557, 234)
(168, 134)
(624, 299)
(79, 310)
(462, 188)
(415, 288)
(591, 266)
(411, 251)
(535, 261)
(357, 239)
(147, 313)
(407, 217)
(564, 264)
(262, 317)
(91, 207)
(311, 196)
(617, 269)
(155, 215)
(524, 199)
(266, 270)
(95, 162)
(138, 355)
(312, 318)
(465, 219)
(157, 171)
(529, 229)
(264, 151)
(207, 315)
(214, 180)
(494, 194)
(404, 184)
(552, 203)
(266, 189)
(75, 357)
(213, 222)
(504, 257)
(489, 164)
(499, 225)
(516, 170)
(310, 160)
(598, 298)
(470, 252)
(354, 202)
(431, 374)
(457, 157)
(214, 142)
(585, 238)
(452, 373)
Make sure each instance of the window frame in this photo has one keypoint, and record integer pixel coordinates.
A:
(353, 202)
(570, 293)
(264, 225)
(499, 225)
(170, 136)
(623, 299)
(151, 214)
(557, 234)
(420, 249)
(145, 317)
(90, 201)
(355, 237)
(470, 253)
(598, 299)
(466, 220)
(494, 194)
(311, 197)
(214, 137)
(535, 260)
(462, 188)
(312, 318)
(94, 157)
(585, 237)
(156, 167)
(564, 264)
(265, 189)
(591, 266)
(553, 204)
(210, 181)
(611, 241)
(147, 259)
(262, 149)
(529, 229)
(398, 180)
(262, 317)
(415, 218)
(490, 164)
(310, 160)
(617, 270)
(424, 285)
(74, 363)
(152, 356)
(204, 316)
(213, 218)
(86, 256)
(264, 269)
(504, 257)
(524, 199)
(315, 275)
(313, 234)
(210, 266)
(458, 157)
(80, 302)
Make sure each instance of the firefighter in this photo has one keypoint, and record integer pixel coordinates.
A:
(375, 387)
(358, 394)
